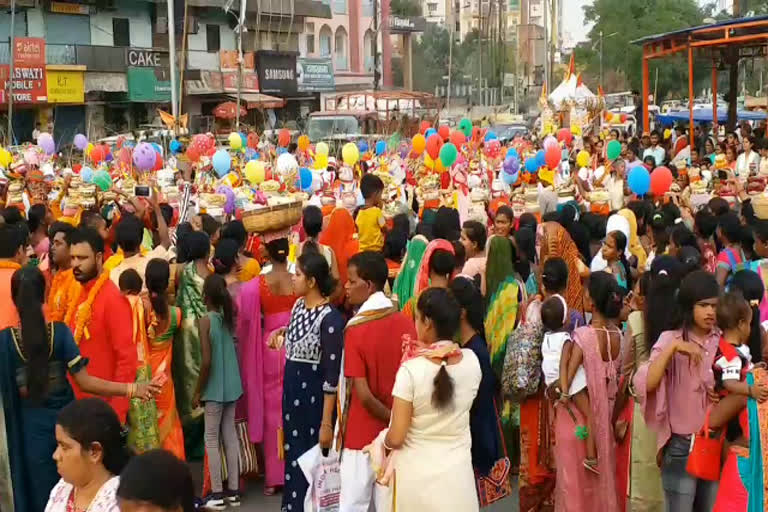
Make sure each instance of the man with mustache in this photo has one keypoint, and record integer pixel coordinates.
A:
(100, 318)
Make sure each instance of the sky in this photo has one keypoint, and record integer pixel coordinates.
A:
(573, 21)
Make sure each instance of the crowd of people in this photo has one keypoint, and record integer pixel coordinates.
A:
(416, 357)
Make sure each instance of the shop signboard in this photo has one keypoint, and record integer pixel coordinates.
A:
(315, 75)
(277, 72)
(28, 72)
(149, 85)
(250, 81)
(65, 86)
(69, 8)
(228, 60)
(406, 24)
(144, 58)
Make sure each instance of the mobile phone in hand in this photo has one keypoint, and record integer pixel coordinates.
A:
(141, 190)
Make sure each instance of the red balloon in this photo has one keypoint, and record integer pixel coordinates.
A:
(458, 138)
(158, 161)
(253, 140)
(425, 125)
(564, 135)
(193, 153)
(661, 180)
(444, 131)
(552, 157)
(97, 154)
(434, 143)
(623, 118)
(210, 152)
(284, 138)
(124, 156)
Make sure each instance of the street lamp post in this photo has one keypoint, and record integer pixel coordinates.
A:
(9, 82)
(601, 53)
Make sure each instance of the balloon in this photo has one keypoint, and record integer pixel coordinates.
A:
(305, 179)
(434, 142)
(424, 127)
(428, 162)
(493, 148)
(254, 172)
(45, 141)
(175, 146)
(582, 159)
(430, 133)
(252, 140)
(158, 149)
(381, 147)
(661, 180)
(235, 142)
(458, 138)
(103, 180)
(613, 151)
(465, 126)
(144, 156)
(511, 164)
(350, 154)
(86, 174)
(5, 158)
(321, 149)
(444, 131)
(509, 179)
(97, 155)
(623, 118)
(286, 164)
(439, 167)
(89, 148)
(303, 143)
(222, 162)
(639, 180)
(552, 157)
(532, 164)
(564, 135)
(490, 136)
(419, 144)
(541, 159)
(448, 154)
(193, 153)
(475, 133)
(284, 138)
(158, 162)
(362, 146)
(513, 152)
(321, 162)
(81, 141)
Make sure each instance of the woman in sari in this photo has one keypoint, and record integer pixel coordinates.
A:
(164, 322)
(186, 347)
(340, 235)
(598, 346)
(634, 245)
(271, 295)
(436, 269)
(402, 291)
(553, 240)
(248, 268)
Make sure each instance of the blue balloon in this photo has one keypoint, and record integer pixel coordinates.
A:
(513, 152)
(175, 146)
(86, 174)
(222, 162)
(280, 151)
(639, 180)
(429, 132)
(531, 165)
(541, 160)
(250, 154)
(243, 138)
(157, 148)
(490, 136)
(305, 178)
(509, 179)
(362, 146)
(256, 155)
(381, 147)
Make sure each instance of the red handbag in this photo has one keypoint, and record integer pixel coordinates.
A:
(706, 451)
(496, 485)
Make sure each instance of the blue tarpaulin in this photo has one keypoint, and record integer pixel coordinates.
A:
(704, 115)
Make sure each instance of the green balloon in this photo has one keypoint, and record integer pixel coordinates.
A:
(448, 154)
(103, 180)
(466, 127)
(614, 150)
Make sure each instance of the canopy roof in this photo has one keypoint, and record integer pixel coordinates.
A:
(571, 89)
(704, 115)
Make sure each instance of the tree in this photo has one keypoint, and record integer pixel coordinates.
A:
(405, 7)
(623, 21)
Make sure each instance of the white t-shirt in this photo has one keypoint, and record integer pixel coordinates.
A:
(744, 162)
(551, 352)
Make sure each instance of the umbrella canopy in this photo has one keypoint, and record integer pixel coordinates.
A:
(228, 110)
(704, 115)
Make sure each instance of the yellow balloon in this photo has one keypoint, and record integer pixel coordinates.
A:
(582, 159)
(235, 141)
(255, 172)
(5, 158)
(321, 148)
(321, 162)
(439, 167)
(428, 161)
(350, 153)
(89, 148)
(231, 179)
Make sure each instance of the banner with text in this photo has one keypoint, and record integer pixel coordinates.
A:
(29, 84)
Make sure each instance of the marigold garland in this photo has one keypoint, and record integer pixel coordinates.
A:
(64, 287)
(81, 313)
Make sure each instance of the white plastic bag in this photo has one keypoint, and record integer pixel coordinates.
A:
(324, 477)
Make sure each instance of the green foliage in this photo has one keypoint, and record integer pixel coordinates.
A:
(405, 7)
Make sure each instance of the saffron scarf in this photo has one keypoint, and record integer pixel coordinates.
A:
(339, 235)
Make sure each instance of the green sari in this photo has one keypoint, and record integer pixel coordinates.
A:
(186, 359)
(405, 282)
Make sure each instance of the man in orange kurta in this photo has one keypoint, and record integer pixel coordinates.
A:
(100, 318)
(13, 245)
(64, 288)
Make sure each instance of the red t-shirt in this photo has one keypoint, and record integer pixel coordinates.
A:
(373, 350)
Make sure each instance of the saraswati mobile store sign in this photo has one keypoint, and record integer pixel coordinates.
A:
(29, 78)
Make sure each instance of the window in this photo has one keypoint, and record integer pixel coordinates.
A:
(121, 34)
(339, 6)
(325, 41)
(311, 43)
(213, 38)
(432, 8)
(340, 44)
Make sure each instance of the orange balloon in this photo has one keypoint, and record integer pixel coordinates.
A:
(444, 131)
(458, 138)
(419, 144)
(303, 143)
(284, 138)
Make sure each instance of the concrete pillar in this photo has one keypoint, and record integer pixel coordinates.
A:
(407, 62)
(386, 45)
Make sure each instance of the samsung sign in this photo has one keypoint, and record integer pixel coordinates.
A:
(405, 24)
(277, 72)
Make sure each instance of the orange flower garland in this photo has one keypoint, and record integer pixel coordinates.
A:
(64, 288)
(81, 313)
